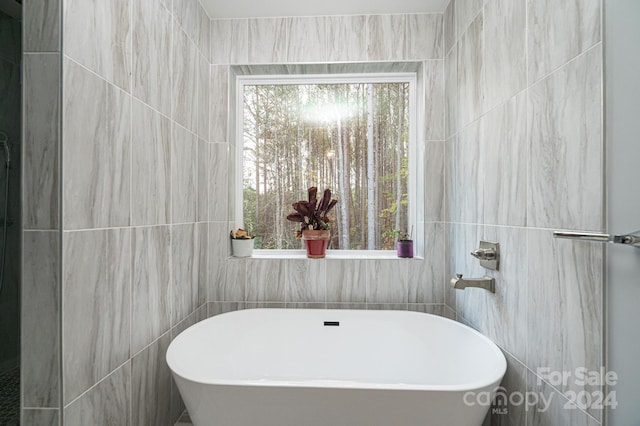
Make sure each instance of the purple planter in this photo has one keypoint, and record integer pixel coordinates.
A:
(405, 248)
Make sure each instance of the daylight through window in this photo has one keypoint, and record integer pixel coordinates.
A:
(352, 136)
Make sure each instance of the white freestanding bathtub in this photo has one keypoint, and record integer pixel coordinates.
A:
(298, 367)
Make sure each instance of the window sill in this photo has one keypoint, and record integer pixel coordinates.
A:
(331, 255)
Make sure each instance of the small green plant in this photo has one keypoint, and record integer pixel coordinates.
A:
(401, 235)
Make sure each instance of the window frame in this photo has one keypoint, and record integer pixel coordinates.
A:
(415, 109)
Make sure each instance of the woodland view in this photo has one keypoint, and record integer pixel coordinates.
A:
(352, 138)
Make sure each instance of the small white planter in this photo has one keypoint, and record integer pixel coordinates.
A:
(242, 248)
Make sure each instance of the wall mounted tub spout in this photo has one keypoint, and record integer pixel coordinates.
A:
(486, 282)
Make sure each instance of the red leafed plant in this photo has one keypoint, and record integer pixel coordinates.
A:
(311, 214)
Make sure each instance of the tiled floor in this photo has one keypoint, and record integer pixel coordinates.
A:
(10, 397)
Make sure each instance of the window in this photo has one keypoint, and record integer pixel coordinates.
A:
(354, 134)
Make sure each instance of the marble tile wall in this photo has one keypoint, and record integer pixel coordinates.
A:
(416, 284)
(41, 375)
(524, 156)
(122, 256)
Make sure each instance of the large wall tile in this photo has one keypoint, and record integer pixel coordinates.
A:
(502, 316)
(41, 141)
(217, 308)
(151, 385)
(219, 241)
(426, 277)
(202, 231)
(387, 37)
(96, 309)
(36, 417)
(346, 38)
(307, 39)
(40, 332)
(177, 405)
(559, 31)
(553, 408)
(449, 23)
(204, 35)
(465, 198)
(204, 170)
(186, 15)
(185, 258)
(346, 281)
(471, 73)
(347, 306)
(267, 40)
(41, 26)
(151, 167)
(152, 54)
(504, 49)
(218, 184)
(108, 403)
(235, 282)
(423, 39)
(504, 163)
(564, 310)
(194, 317)
(566, 147)
(434, 181)
(265, 281)
(219, 109)
(465, 12)
(427, 308)
(96, 151)
(217, 260)
(103, 45)
(434, 107)
(184, 81)
(461, 240)
(204, 92)
(184, 175)
(306, 281)
(229, 41)
(506, 409)
(387, 281)
(451, 92)
(150, 292)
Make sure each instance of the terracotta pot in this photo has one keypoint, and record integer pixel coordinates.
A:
(405, 248)
(316, 242)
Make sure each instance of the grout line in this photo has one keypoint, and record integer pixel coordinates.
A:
(41, 408)
(64, 407)
(60, 269)
(131, 234)
(131, 226)
(527, 368)
(532, 228)
(171, 174)
(464, 127)
(569, 61)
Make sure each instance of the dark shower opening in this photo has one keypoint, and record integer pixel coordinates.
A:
(10, 226)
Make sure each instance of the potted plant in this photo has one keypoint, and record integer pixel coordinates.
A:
(242, 243)
(404, 245)
(314, 222)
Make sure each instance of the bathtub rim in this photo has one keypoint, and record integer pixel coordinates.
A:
(346, 384)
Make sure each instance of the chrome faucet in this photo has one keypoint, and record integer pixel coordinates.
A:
(488, 283)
